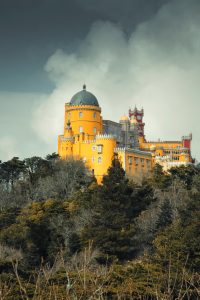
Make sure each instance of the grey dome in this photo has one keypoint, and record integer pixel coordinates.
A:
(84, 98)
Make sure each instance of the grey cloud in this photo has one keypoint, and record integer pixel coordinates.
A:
(157, 67)
(128, 13)
(30, 31)
(16, 135)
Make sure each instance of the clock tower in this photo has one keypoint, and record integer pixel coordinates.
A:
(138, 115)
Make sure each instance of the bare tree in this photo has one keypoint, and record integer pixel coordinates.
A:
(68, 177)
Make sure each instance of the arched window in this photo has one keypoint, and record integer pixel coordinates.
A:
(94, 130)
(80, 114)
(99, 160)
(94, 115)
(99, 148)
(81, 129)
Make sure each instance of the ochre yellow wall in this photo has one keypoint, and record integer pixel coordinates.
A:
(98, 162)
(108, 146)
(148, 145)
(184, 157)
(65, 147)
(87, 121)
(85, 145)
(172, 149)
(159, 152)
(136, 165)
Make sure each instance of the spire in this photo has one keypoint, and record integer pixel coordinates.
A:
(68, 124)
(84, 86)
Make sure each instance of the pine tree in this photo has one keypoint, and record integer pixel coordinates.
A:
(116, 204)
(159, 178)
(166, 215)
(11, 171)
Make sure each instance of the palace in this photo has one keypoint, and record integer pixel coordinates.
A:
(88, 136)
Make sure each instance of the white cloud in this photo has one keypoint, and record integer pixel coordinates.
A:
(7, 147)
(16, 135)
(157, 67)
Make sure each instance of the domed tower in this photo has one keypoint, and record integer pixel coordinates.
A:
(84, 114)
(82, 123)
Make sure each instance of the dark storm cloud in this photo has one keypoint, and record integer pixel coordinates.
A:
(128, 13)
(31, 30)
(156, 66)
(128, 52)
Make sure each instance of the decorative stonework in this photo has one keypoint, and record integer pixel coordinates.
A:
(105, 137)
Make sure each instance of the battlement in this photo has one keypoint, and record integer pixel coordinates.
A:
(95, 140)
(105, 137)
(187, 137)
(163, 158)
(65, 139)
(88, 142)
(136, 111)
(162, 142)
(120, 149)
(69, 107)
(132, 150)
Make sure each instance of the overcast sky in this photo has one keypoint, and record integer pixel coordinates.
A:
(130, 52)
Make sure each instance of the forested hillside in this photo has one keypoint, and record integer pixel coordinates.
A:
(63, 236)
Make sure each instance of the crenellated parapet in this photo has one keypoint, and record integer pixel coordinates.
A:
(66, 139)
(88, 137)
(133, 150)
(120, 149)
(162, 142)
(105, 137)
(68, 107)
(88, 142)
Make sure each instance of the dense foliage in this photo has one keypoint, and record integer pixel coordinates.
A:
(63, 236)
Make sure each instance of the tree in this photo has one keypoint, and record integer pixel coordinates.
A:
(11, 171)
(165, 215)
(116, 174)
(159, 178)
(37, 168)
(185, 174)
(52, 157)
(115, 204)
(181, 240)
(66, 178)
(40, 230)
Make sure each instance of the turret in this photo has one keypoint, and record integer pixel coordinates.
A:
(134, 133)
(68, 130)
(84, 114)
(138, 115)
(186, 141)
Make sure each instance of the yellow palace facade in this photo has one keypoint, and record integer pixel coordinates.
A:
(87, 136)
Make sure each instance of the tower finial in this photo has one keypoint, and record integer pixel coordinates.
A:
(68, 124)
(84, 86)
